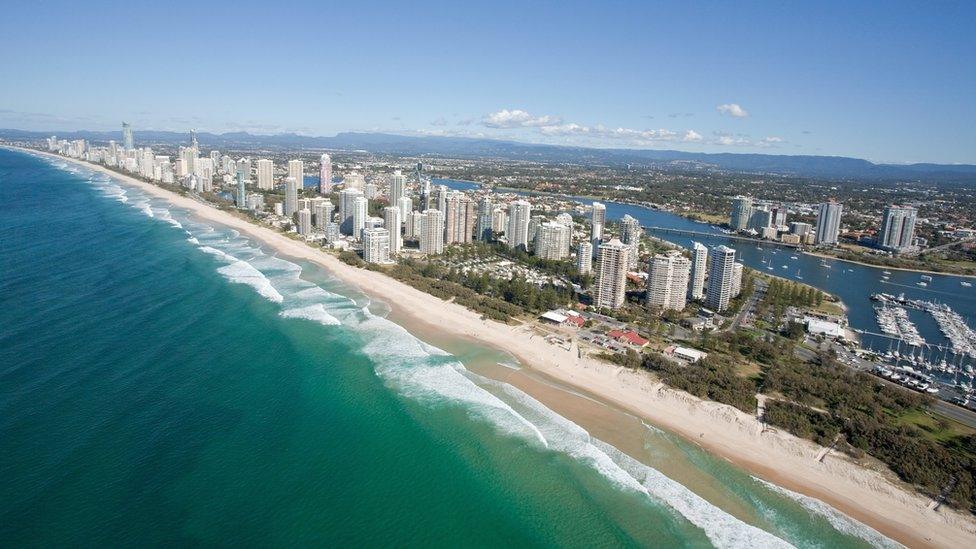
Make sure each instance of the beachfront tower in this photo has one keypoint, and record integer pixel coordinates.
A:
(432, 232)
(265, 169)
(398, 187)
(630, 234)
(699, 260)
(376, 245)
(392, 223)
(360, 210)
(720, 278)
(519, 214)
(291, 196)
(552, 241)
(611, 275)
(598, 222)
(667, 281)
(296, 169)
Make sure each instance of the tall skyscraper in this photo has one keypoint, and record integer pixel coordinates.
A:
(291, 196)
(611, 275)
(304, 222)
(630, 234)
(898, 228)
(828, 223)
(296, 169)
(699, 261)
(736, 279)
(360, 210)
(391, 221)
(376, 245)
(398, 187)
(459, 220)
(720, 278)
(347, 198)
(552, 241)
(584, 258)
(597, 223)
(519, 213)
(405, 203)
(323, 211)
(241, 198)
(127, 142)
(667, 281)
(265, 169)
(325, 174)
(432, 232)
(741, 213)
(483, 226)
(760, 219)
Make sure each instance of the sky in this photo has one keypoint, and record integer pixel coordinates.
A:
(886, 81)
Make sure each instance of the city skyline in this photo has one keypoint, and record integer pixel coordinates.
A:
(666, 79)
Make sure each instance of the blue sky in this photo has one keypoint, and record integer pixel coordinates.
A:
(887, 81)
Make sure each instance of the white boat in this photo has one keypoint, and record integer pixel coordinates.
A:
(966, 284)
(784, 266)
(886, 272)
(922, 284)
(926, 278)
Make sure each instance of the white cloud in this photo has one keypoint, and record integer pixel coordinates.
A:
(518, 119)
(692, 135)
(732, 109)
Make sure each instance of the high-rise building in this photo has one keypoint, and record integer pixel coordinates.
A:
(741, 213)
(304, 221)
(323, 211)
(296, 169)
(325, 174)
(347, 198)
(432, 232)
(459, 220)
(736, 279)
(799, 228)
(499, 220)
(398, 187)
(127, 142)
(552, 241)
(405, 203)
(761, 218)
(584, 258)
(376, 245)
(265, 169)
(519, 213)
(483, 226)
(291, 196)
(360, 210)
(241, 198)
(354, 180)
(630, 234)
(667, 281)
(699, 261)
(611, 275)
(898, 228)
(391, 221)
(828, 223)
(720, 278)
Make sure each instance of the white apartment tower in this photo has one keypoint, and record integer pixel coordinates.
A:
(667, 281)
(584, 258)
(296, 169)
(398, 187)
(304, 221)
(519, 213)
(611, 275)
(291, 196)
(360, 209)
(741, 213)
(720, 278)
(265, 170)
(828, 223)
(898, 228)
(391, 221)
(325, 174)
(432, 232)
(630, 234)
(376, 245)
(699, 261)
(552, 241)
(736, 279)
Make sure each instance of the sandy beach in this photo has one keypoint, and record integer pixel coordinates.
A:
(866, 495)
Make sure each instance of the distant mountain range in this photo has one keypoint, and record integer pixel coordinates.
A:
(831, 167)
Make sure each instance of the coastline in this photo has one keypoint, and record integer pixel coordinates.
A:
(887, 268)
(780, 458)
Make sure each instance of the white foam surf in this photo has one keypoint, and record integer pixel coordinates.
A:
(315, 313)
(241, 272)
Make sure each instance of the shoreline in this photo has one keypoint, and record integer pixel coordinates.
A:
(857, 491)
(887, 268)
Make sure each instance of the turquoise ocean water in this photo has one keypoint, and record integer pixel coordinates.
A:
(167, 381)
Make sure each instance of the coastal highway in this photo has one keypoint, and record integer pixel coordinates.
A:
(955, 413)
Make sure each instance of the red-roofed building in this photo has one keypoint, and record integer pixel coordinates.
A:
(629, 337)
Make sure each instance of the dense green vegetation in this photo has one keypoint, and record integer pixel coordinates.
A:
(784, 293)
(830, 404)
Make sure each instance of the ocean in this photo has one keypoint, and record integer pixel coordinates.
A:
(164, 380)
